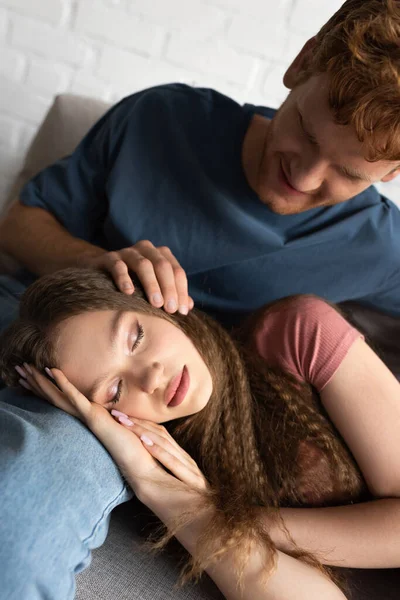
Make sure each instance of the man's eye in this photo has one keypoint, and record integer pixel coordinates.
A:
(353, 177)
(310, 139)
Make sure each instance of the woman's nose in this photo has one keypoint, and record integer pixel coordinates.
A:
(151, 377)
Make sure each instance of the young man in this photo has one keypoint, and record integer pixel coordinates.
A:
(254, 205)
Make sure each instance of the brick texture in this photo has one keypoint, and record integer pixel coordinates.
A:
(110, 48)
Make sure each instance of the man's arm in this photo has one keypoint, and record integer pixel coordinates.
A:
(35, 238)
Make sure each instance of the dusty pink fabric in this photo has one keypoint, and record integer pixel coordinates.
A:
(306, 337)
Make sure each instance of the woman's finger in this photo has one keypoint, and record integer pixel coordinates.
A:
(194, 480)
(167, 444)
(158, 430)
(25, 384)
(166, 456)
(81, 404)
(31, 385)
(51, 392)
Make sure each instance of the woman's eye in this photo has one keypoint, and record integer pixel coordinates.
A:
(117, 396)
(139, 337)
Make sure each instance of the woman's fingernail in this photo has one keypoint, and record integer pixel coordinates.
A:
(49, 372)
(118, 413)
(125, 421)
(20, 371)
(183, 310)
(157, 298)
(127, 286)
(146, 440)
(27, 367)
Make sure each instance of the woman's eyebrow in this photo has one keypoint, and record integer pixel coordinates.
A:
(113, 335)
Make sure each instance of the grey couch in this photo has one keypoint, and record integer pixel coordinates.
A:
(119, 569)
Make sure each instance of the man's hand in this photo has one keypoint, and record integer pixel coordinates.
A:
(163, 278)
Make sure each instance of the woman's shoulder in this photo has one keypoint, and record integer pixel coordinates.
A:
(303, 334)
(300, 309)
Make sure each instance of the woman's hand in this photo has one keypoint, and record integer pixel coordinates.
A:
(126, 440)
(163, 278)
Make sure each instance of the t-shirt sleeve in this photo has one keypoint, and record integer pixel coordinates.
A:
(306, 337)
(74, 189)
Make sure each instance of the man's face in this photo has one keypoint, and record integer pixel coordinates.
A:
(308, 161)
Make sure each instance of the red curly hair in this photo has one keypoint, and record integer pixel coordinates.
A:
(359, 49)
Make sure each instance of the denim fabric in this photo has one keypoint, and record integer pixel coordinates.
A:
(58, 486)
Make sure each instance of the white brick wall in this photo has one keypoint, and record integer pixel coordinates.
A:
(111, 48)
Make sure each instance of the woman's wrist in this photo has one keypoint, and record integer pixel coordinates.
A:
(145, 491)
(168, 502)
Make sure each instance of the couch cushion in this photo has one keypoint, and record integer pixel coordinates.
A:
(120, 569)
(68, 120)
(70, 117)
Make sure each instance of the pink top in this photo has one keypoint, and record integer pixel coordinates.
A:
(306, 337)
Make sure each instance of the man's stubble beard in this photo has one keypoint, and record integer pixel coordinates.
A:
(278, 206)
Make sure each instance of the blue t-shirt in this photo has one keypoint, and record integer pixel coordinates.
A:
(165, 165)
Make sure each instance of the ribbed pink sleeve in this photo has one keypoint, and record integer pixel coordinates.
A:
(306, 337)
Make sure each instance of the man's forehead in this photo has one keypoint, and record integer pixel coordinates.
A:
(313, 104)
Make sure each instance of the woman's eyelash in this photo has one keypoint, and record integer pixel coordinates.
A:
(118, 394)
(139, 338)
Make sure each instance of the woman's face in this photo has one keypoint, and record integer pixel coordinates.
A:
(135, 359)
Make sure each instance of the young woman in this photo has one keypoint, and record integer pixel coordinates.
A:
(269, 430)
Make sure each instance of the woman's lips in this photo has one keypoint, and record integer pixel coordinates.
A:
(289, 189)
(181, 390)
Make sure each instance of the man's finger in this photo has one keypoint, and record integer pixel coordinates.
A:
(156, 275)
(143, 266)
(180, 280)
(119, 270)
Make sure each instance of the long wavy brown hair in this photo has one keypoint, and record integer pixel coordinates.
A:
(246, 440)
(359, 50)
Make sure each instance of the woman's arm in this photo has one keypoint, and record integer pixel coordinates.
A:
(363, 536)
(363, 401)
(141, 465)
(292, 580)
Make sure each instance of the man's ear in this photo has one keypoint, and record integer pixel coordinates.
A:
(292, 74)
(391, 175)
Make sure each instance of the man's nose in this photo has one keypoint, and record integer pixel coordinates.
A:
(308, 176)
(151, 377)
